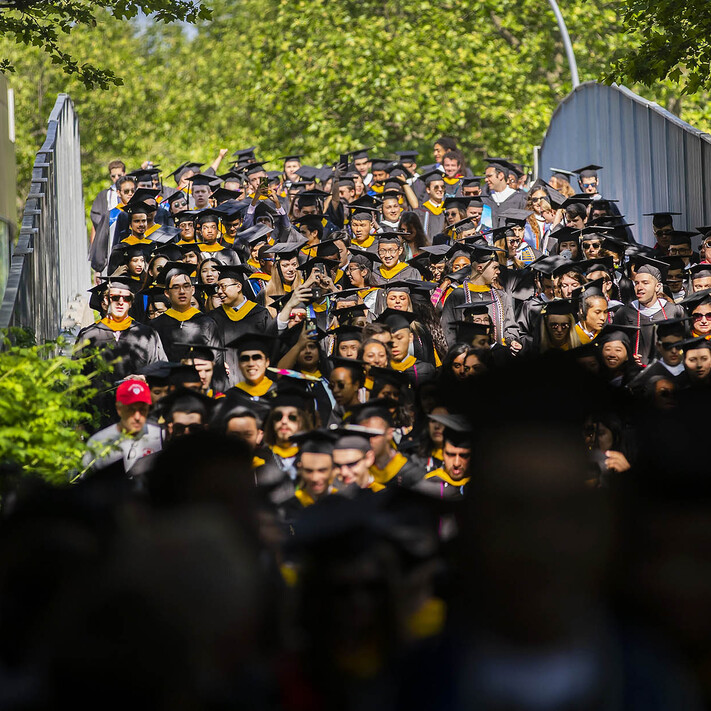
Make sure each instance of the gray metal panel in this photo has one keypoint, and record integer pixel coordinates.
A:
(653, 160)
(49, 270)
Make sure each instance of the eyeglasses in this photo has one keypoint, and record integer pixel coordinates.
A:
(670, 345)
(587, 245)
(247, 358)
(297, 315)
(592, 184)
(666, 233)
(280, 415)
(702, 317)
(538, 199)
(388, 252)
(224, 287)
(180, 287)
(181, 429)
(559, 326)
(116, 298)
(348, 465)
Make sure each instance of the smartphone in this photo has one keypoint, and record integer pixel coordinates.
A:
(264, 183)
(311, 330)
(343, 160)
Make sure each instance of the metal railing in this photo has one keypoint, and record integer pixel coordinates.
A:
(49, 273)
(653, 161)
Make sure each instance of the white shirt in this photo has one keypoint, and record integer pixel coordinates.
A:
(505, 194)
(121, 445)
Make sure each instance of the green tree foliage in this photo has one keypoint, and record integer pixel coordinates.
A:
(670, 40)
(322, 77)
(44, 401)
(45, 25)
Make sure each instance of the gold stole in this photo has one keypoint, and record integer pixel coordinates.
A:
(256, 390)
(182, 315)
(238, 314)
(117, 325)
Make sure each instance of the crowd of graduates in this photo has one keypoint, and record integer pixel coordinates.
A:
(376, 435)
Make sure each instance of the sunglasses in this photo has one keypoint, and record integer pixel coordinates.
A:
(348, 465)
(705, 316)
(118, 298)
(279, 415)
(670, 345)
(181, 429)
(247, 358)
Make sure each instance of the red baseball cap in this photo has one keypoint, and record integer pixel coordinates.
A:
(131, 391)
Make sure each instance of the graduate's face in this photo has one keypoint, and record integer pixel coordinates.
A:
(346, 193)
(589, 185)
(362, 165)
(398, 300)
(345, 391)
(178, 205)
(471, 190)
(452, 215)
(614, 354)
(575, 221)
(697, 362)
(287, 422)
(438, 152)
(490, 271)
(180, 292)
(231, 228)
(645, 288)
(356, 273)
(571, 246)
(348, 349)
(389, 254)
(116, 173)
(456, 460)
(376, 354)
(567, 286)
(157, 265)
(401, 344)
(208, 272)
(458, 366)
(290, 168)
(125, 192)
(380, 176)
(139, 223)
(701, 319)
(537, 197)
(675, 279)
(435, 189)
(201, 195)
(392, 209)
(596, 316)
(316, 471)
(669, 350)
(436, 270)
(246, 429)
(205, 369)
(308, 356)
(253, 366)
(361, 228)
(209, 232)
(156, 309)
(436, 429)
(136, 265)
(558, 328)
(187, 231)
(473, 366)
(118, 302)
(351, 466)
(591, 248)
(380, 442)
(191, 258)
(288, 269)
(451, 167)
(701, 283)
(474, 211)
(495, 179)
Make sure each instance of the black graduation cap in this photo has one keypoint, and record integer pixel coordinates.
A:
(457, 428)
(245, 153)
(143, 194)
(500, 163)
(316, 441)
(472, 180)
(173, 197)
(662, 213)
(562, 173)
(208, 214)
(158, 372)
(618, 332)
(254, 167)
(361, 254)
(189, 165)
(308, 266)
(588, 171)
(201, 351)
(592, 288)
(172, 269)
(360, 153)
(286, 250)
(380, 164)
(460, 202)
(459, 249)
(672, 326)
(181, 373)
(466, 331)
(361, 212)
(203, 179)
(482, 252)
(515, 216)
(187, 399)
(436, 252)
(290, 392)
(291, 156)
(477, 308)
(312, 222)
(396, 320)
(408, 286)
(348, 312)
(393, 237)
(694, 343)
(691, 301)
(585, 266)
(407, 156)
(647, 265)
(144, 174)
(139, 208)
(234, 271)
(188, 248)
(387, 375)
(253, 342)
(560, 307)
(309, 173)
(254, 234)
(129, 251)
(221, 195)
(185, 216)
(123, 282)
(696, 271)
(681, 237)
(431, 176)
(170, 251)
(550, 264)
(577, 199)
(346, 333)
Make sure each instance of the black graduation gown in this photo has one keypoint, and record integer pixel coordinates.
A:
(400, 471)
(199, 329)
(232, 323)
(417, 371)
(502, 315)
(630, 316)
(400, 271)
(516, 201)
(431, 223)
(655, 369)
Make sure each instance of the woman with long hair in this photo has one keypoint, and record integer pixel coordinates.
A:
(537, 227)
(415, 238)
(557, 327)
(285, 277)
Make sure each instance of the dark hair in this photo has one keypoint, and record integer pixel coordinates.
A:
(457, 155)
(117, 164)
(576, 209)
(454, 352)
(367, 342)
(125, 179)
(447, 142)
(412, 219)
(371, 329)
(355, 370)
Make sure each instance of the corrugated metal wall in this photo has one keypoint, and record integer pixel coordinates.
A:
(653, 161)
